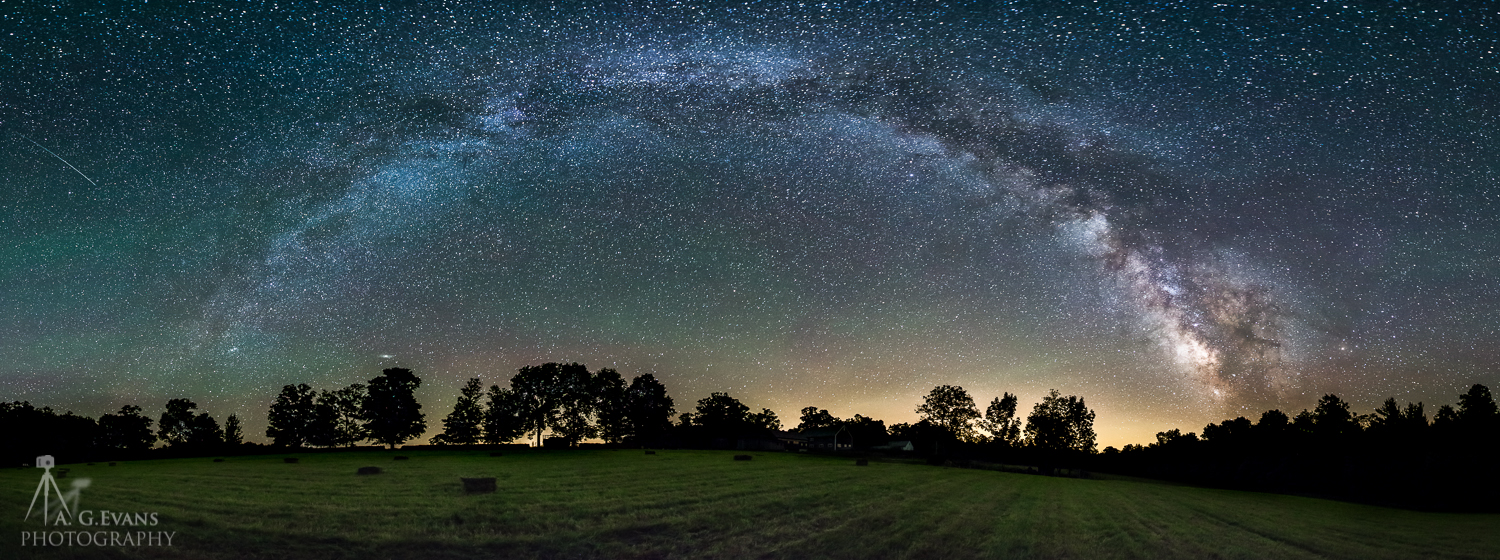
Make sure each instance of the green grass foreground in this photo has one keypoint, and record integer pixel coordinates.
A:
(695, 504)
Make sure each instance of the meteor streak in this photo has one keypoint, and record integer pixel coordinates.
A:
(59, 158)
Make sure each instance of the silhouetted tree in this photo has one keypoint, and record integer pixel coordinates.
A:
(175, 425)
(648, 410)
(204, 432)
(126, 430)
(556, 397)
(859, 431)
(1397, 426)
(1272, 422)
(1060, 424)
(814, 418)
(463, 426)
(1333, 422)
(720, 416)
(75, 434)
(950, 407)
(1476, 432)
(766, 420)
(1174, 440)
(865, 432)
(1229, 432)
(502, 417)
(1415, 418)
(390, 409)
(575, 418)
(1477, 408)
(337, 418)
(1001, 421)
(233, 433)
(928, 438)
(27, 431)
(1445, 419)
(1302, 423)
(1387, 416)
(611, 405)
(322, 431)
(290, 420)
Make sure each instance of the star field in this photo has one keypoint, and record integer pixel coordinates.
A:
(1182, 212)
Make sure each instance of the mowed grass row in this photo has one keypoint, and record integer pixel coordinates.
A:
(694, 504)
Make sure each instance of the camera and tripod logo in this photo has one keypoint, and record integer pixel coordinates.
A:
(64, 512)
(47, 487)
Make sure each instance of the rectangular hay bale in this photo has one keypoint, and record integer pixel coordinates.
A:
(478, 485)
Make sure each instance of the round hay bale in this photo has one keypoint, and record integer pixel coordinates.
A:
(369, 470)
(478, 485)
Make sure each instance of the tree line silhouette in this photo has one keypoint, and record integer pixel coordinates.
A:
(27, 432)
(386, 412)
(1393, 455)
(567, 400)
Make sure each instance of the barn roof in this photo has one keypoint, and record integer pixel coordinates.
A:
(822, 432)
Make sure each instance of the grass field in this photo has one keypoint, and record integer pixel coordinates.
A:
(695, 504)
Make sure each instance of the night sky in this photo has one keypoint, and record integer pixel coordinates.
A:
(1181, 211)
